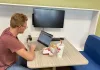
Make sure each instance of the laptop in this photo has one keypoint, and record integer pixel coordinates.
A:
(45, 38)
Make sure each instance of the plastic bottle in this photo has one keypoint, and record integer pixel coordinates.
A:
(60, 49)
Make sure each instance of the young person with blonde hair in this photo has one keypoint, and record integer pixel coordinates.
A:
(11, 46)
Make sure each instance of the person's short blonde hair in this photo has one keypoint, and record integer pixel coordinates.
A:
(18, 19)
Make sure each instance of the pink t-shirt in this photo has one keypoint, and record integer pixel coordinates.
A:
(9, 44)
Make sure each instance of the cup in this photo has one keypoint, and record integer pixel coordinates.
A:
(53, 49)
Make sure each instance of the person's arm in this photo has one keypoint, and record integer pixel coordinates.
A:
(14, 45)
(28, 55)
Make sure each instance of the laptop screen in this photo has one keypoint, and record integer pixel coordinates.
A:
(45, 38)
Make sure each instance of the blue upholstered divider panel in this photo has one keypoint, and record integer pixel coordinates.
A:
(90, 66)
(92, 48)
(93, 40)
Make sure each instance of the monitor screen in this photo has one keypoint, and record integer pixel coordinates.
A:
(48, 18)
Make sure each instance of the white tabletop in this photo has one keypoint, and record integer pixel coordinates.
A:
(70, 57)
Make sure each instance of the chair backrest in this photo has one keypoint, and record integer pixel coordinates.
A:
(92, 48)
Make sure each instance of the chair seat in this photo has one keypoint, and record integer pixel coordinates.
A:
(90, 66)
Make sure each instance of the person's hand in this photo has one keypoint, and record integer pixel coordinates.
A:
(32, 47)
